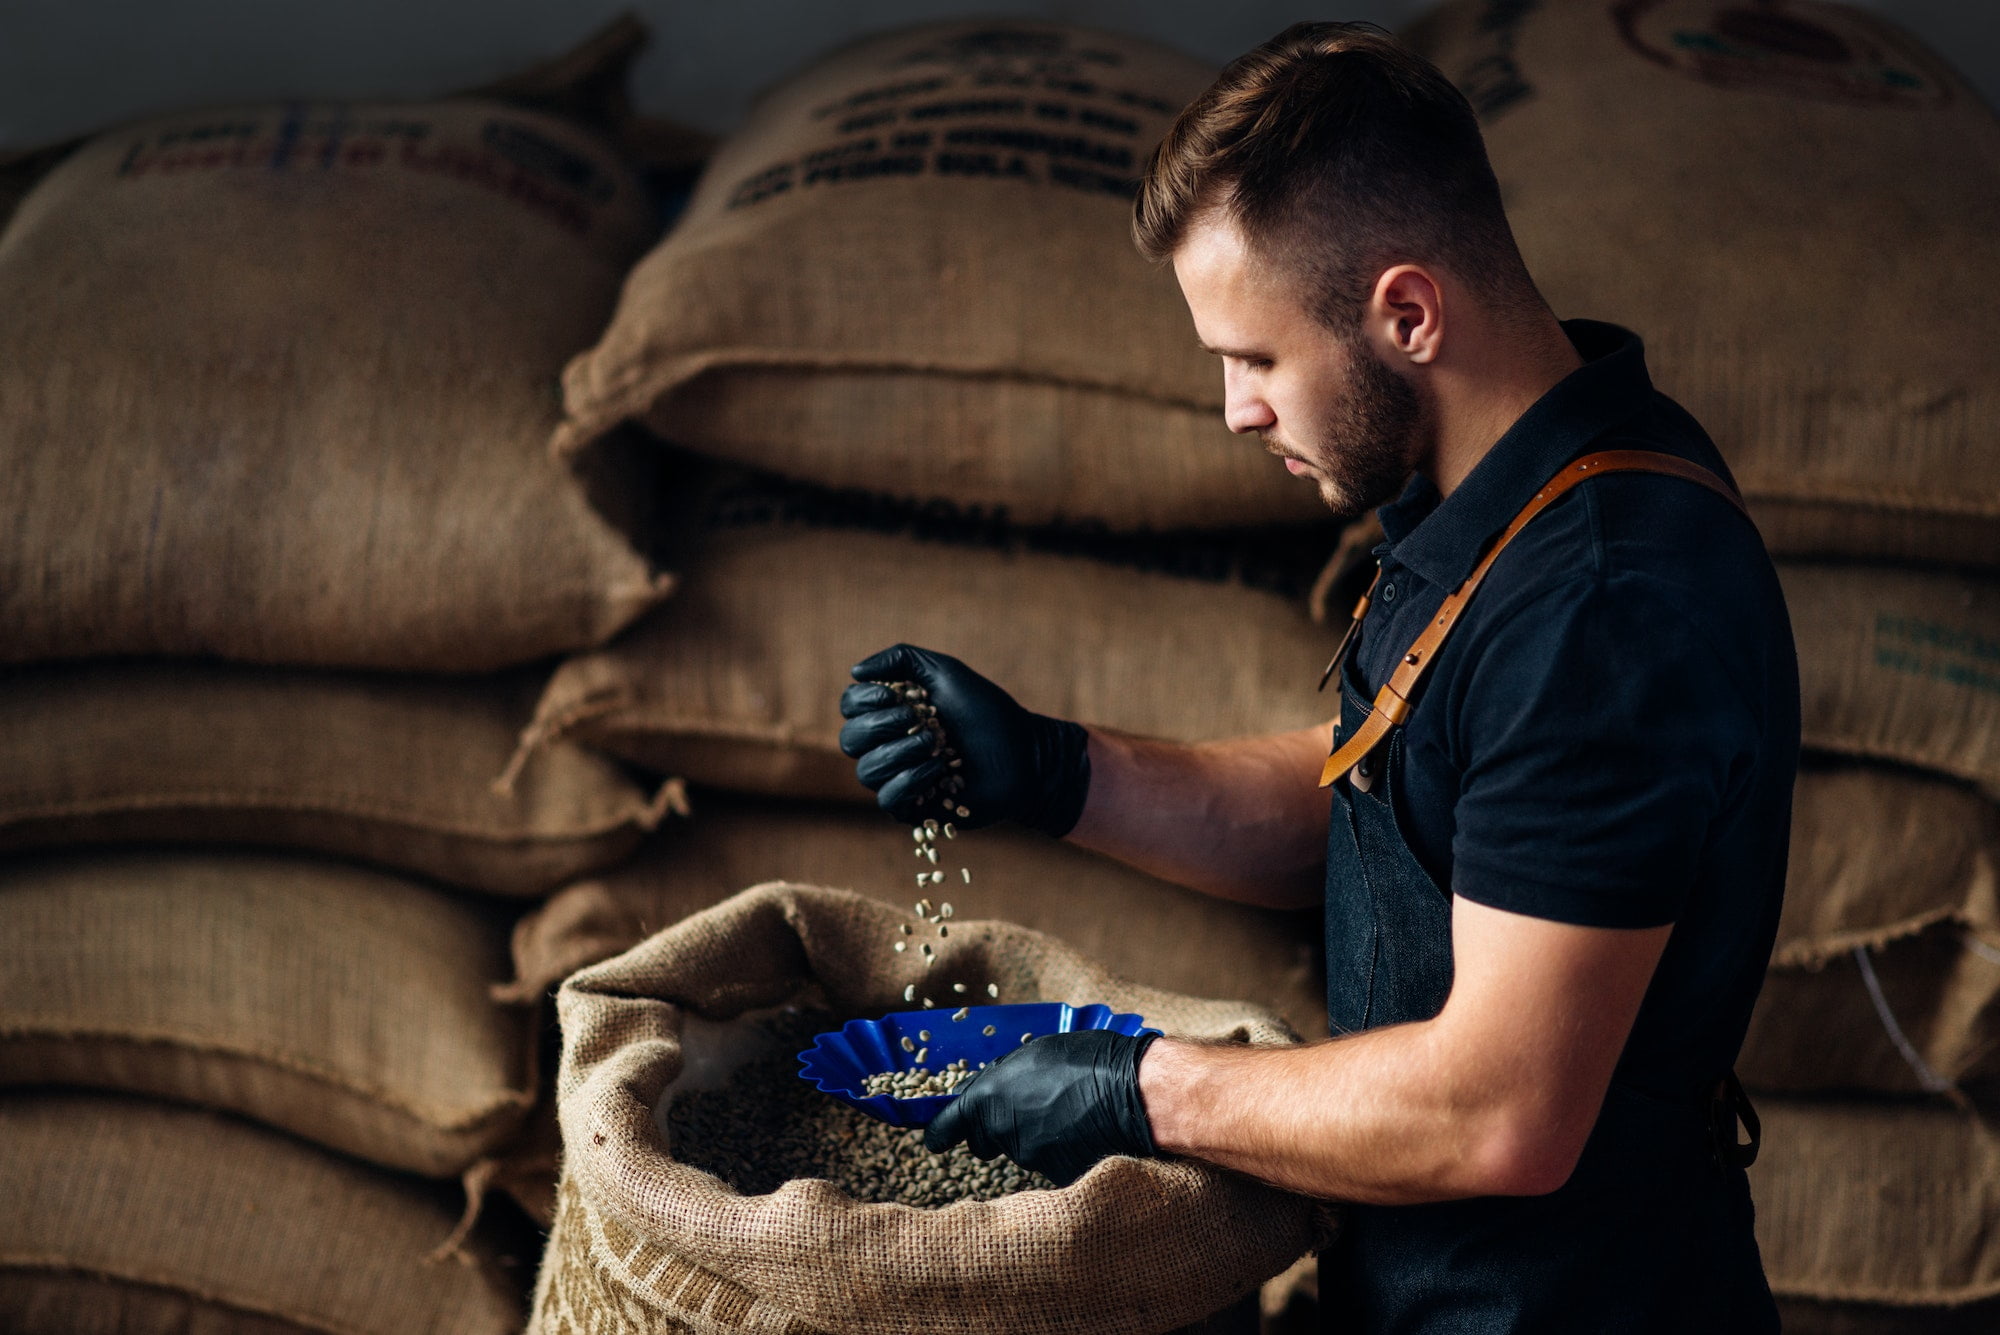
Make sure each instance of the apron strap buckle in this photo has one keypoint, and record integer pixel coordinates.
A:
(1728, 1105)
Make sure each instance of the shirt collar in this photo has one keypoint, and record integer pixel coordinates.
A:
(1443, 540)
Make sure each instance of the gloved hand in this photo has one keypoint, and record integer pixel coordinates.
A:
(1016, 765)
(1056, 1105)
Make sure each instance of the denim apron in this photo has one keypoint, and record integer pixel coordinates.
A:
(1652, 1233)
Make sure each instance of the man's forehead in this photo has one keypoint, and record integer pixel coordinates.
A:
(1215, 250)
(1237, 295)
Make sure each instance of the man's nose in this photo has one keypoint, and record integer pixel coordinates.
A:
(1244, 410)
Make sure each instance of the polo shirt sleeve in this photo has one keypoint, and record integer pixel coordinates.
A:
(1599, 730)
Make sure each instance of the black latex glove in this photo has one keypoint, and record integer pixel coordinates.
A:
(1056, 1105)
(1017, 766)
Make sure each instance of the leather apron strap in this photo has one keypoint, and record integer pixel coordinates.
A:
(1392, 702)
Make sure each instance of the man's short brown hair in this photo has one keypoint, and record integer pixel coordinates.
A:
(1338, 152)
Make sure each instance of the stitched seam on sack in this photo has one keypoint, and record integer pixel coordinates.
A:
(1900, 1297)
(1844, 742)
(430, 1118)
(1888, 500)
(651, 387)
(1813, 953)
(321, 805)
(172, 1284)
(639, 718)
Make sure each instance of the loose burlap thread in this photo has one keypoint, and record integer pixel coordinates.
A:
(643, 1242)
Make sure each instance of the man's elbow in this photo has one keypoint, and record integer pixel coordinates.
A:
(1522, 1154)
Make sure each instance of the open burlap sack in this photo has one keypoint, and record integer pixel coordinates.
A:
(119, 1215)
(1886, 975)
(1760, 191)
(1138, 927)
(1899, 665)
(737, 682)
(1878, 1202)
(393, 770)
(345, 1006)
(275, 385)
(642, 1242)
(911, 272)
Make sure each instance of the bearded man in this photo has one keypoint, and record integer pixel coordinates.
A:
(1554, 848)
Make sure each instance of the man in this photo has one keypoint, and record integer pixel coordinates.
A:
(1554, 864)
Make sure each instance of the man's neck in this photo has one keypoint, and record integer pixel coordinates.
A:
(1483, 389)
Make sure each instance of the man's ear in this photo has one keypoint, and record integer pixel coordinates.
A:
(1406, 313)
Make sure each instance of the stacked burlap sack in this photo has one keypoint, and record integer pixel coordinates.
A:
(283, 559)
(1763, 192)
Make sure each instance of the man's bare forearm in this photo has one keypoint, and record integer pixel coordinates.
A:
(1496, 1095)
(1365, 1118)
(1241, 819)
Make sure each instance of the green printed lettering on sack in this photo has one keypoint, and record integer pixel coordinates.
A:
(1938, 651)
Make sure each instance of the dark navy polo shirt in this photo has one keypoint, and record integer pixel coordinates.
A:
(1610, 736)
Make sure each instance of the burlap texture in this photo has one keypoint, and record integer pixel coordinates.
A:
(1879, 854)
(1136, 926)
(1906, 869)
(1803, 1316)
(276, 385)
(737, 682)
(1899, 665)
(71, 1302)
(1761, 191)
(342, 1005)
(393, 770)
(1824, 1031)
(911, 272)
(529, 1167)
(203, 1224)
(643, 1243)
(1877, 1202)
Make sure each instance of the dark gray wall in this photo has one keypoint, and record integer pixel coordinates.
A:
(67, 66)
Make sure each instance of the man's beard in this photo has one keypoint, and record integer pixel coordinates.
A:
(1364, 452)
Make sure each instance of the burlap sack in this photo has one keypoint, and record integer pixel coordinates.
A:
(1761, 191)
(911, 272)
(1886, 975)
(1140, 928)
(1899, 665)
(642, 1242)
(342, 1005)
(275, 384)
(1877, 1202)
(118, 1215)
(1803, 1316)
(395, 770)
(737, 682)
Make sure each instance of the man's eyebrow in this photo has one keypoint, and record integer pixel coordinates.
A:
(1246, 354)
